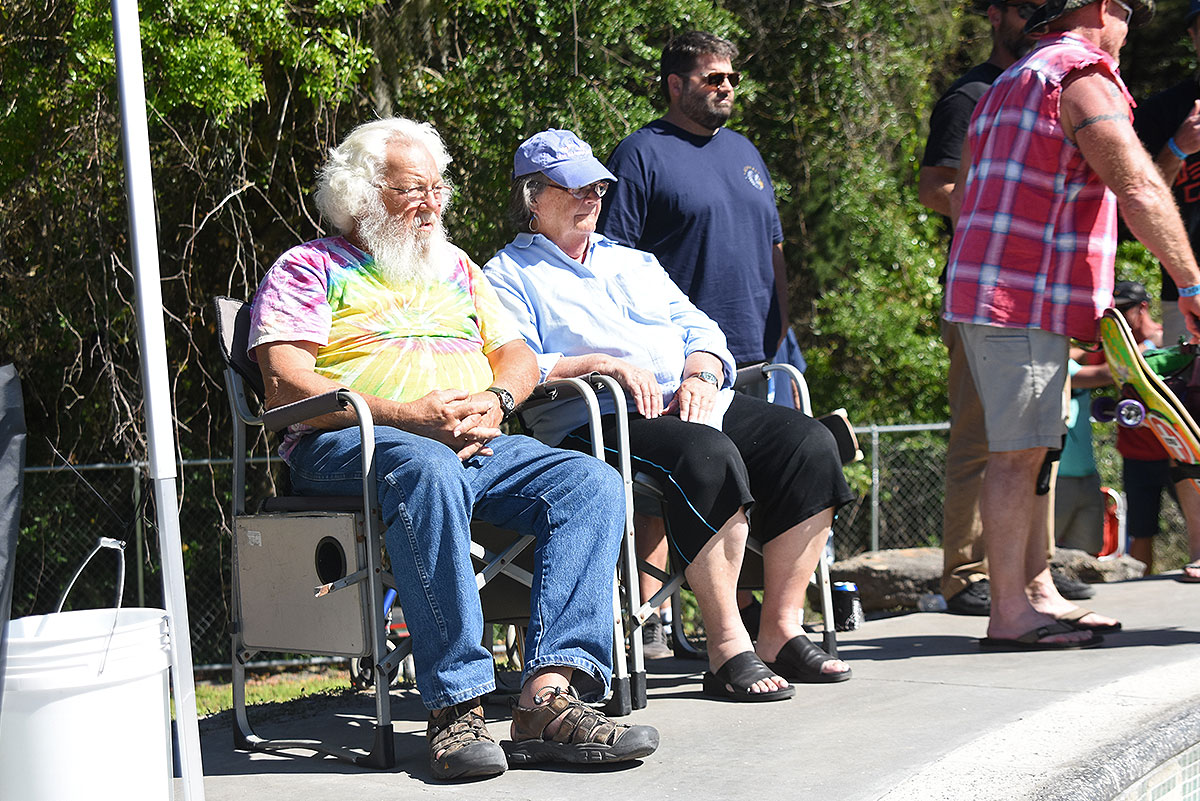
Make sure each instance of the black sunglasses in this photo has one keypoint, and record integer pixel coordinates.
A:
(715, 79)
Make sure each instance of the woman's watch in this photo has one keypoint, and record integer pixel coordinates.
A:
(507, 404)
(705, 375)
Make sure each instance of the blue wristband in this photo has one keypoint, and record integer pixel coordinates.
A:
(1179, 154)
(1189, 291)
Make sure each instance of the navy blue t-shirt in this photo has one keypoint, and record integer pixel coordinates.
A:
(705, 206)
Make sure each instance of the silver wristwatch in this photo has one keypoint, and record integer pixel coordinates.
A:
(704, 375)
(507, 402)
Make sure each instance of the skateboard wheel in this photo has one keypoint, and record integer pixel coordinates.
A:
(1104, 409)
(1130, 413)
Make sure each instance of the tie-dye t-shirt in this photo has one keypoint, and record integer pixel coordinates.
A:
(395, 343)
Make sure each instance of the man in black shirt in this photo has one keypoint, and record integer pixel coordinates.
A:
(1169, 125)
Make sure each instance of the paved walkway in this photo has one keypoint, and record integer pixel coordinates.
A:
(927, 716)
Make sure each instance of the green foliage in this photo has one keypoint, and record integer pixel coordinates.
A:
(235, 95)
(245, 97)
(1159, 54)
(891, 370)
(841, 124)
(491, 74)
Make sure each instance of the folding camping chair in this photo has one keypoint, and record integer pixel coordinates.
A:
(336, 543)
(645, 487)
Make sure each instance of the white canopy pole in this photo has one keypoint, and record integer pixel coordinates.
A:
(152, 342)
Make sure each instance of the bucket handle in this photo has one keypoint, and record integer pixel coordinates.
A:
(102, 542)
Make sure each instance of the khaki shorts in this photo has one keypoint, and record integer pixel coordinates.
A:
(1021, 376)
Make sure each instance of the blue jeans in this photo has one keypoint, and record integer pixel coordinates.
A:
(573, 504)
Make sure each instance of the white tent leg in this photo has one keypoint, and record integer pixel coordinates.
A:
(152, 344)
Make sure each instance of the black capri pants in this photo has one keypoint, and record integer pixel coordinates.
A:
(779, 464)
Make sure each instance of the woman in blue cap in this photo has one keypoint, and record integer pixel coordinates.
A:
(586, 304)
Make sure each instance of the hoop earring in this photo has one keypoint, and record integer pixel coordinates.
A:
(534, 226)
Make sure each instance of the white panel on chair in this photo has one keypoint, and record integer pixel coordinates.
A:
(275, 559)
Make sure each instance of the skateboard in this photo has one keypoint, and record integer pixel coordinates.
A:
(1144, 399)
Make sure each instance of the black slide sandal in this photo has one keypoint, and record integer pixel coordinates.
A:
(739, 672)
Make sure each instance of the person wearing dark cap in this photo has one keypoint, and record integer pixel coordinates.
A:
(964, 571)
(1050, 153)
(1146, 467)
(1169, 125)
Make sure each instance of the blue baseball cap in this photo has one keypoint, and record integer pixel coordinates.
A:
(562, 157)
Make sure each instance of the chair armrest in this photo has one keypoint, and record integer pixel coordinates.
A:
(750, 374)
(328, 403)
(542, 394)
(797, 379)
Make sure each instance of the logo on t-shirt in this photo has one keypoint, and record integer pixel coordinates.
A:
(1187, 184)
(753, 177)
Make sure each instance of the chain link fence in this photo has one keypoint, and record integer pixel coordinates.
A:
(899, 505)
(66, 509)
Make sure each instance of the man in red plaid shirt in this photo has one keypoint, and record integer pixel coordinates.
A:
(1050, 155)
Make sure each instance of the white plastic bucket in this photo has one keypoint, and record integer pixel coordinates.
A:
(86, 715)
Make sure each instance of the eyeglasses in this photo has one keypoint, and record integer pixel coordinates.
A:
(715, 79)
(437, 194)
(599, 188)
(1024, 10)
(1128, 10)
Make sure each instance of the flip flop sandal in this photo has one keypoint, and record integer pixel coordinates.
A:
(1032, 640)
(740, 672)
(1074, 620)
(800, 660)
(1185, 578)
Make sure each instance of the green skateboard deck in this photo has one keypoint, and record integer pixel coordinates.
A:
(1164, 413)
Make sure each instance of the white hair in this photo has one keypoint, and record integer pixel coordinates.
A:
(348, 183)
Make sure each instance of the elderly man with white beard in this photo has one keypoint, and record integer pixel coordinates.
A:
(392, 310)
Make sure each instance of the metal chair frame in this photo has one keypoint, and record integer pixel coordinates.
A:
(646, 486)
(366, 574)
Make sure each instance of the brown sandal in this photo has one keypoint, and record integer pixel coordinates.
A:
(583, 735)
(467, 750)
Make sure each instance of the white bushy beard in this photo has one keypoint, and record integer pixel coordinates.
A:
(403, 253)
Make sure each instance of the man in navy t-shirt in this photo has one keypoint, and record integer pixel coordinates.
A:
(698, 196)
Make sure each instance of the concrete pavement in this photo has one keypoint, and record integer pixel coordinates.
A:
(926, 716)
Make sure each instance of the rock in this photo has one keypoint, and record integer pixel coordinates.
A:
(1083, 566)
(892, 579)
(895, 579)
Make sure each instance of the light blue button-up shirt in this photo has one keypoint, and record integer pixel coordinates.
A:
(619, 302)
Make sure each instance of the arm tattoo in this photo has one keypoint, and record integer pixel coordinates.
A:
(1100, 118)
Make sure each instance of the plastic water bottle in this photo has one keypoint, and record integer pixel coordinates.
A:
(931, 602)
(847, 606)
